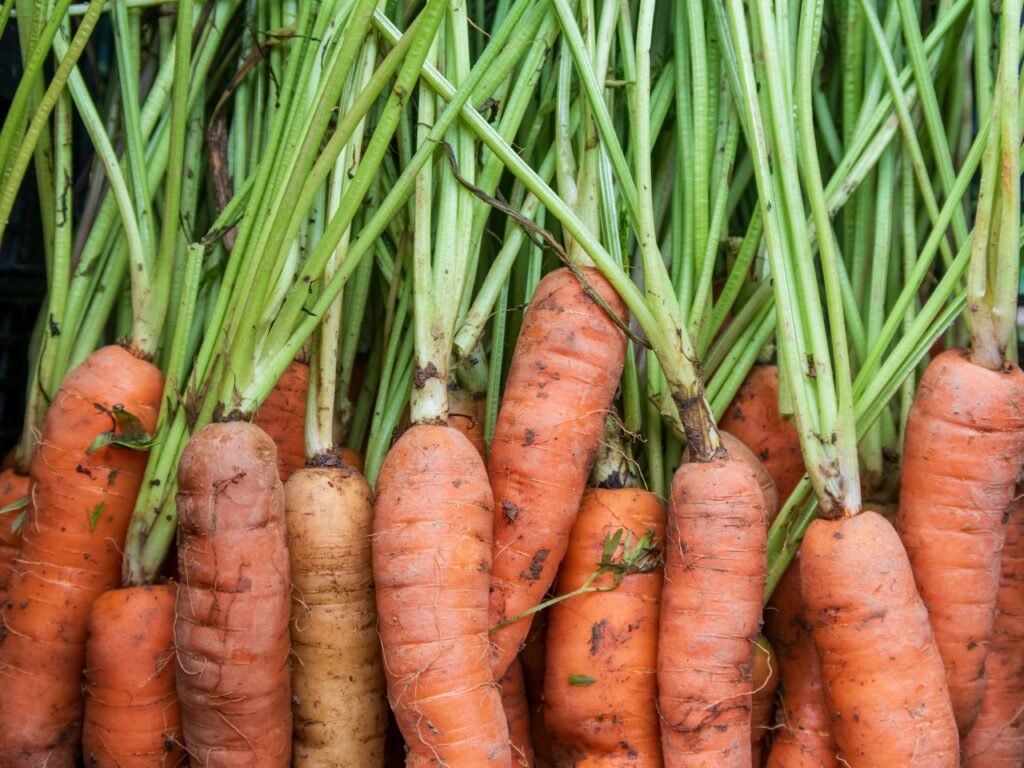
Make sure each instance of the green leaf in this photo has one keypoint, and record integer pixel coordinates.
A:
(94, 516)
(582, 680)
(18, 525)
(128, 432)
(16, 505)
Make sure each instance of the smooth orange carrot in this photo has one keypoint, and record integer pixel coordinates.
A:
(997, 738)
(754, 418)
(13, 487)
(711, 613)
(431, 560)
(517, 715)
(71, 553)
(600, 683)
(882, 675)
(132, 716)
(564, 373)
(283, 417)
(803, 738)
(766, 682)
(466, 414)
(234, 601)
(962, 453)
(338, 689)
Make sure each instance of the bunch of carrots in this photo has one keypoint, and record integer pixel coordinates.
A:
(540, 383)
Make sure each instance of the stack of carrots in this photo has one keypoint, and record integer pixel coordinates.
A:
(540, 383)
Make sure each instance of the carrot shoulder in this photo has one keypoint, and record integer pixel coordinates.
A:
(883, 677)
(711, 613)
(431, 559)
(564, 373)
(132, 716)
(234, 601)
(600, 686)
(997, 738)
(962, 454)
(71, 553)
(338, 689)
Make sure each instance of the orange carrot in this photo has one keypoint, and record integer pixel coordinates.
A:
(997, 738)
(71, 553)
(766, 681)
(963, 451)
(338, 690)
(517, 715)
(804, 736)
(600, 681)
(431, 559)
(353, 458)
(881, 671)
(283, 416)
(466, 414)
(132, 717)
(564, 374)
(711, 613)
(735, 447)
(234, 602)
(13, 487)
(754, 418)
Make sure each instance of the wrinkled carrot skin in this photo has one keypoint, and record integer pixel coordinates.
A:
(532, 660)
(611, 637)
(766, 682)
(803, 738)
(234, 601)
(883, 678)
(338, 688)
(564, 373)
(283, 416)
(466, 413)
(962, 454)
(715, 547)
(997, 738)
(132, 716)
(12, 488)
(431, 559)
(753, 417)
(517, 715)
(71, 553)
(736, 448)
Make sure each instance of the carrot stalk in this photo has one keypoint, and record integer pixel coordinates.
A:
(132, 716)
(600, 684)
(71, 552)
(234, 602)
(546, 438)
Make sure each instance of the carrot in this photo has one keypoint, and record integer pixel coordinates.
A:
(466, 414)
(600, 684)
(882, 674)
(531, 658)
(71, 553)
(283, 415)
(9, 459)
(517, 715)
(234, 602)
(13, 488)
(963, 450)
(353, 458)
(338, 703)
(431, 559)
(997, 738)
(804, 736)
(132, 716)
(754, 418)
(766, 681)
(735, 447)
(716, 547)
(563, 376)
